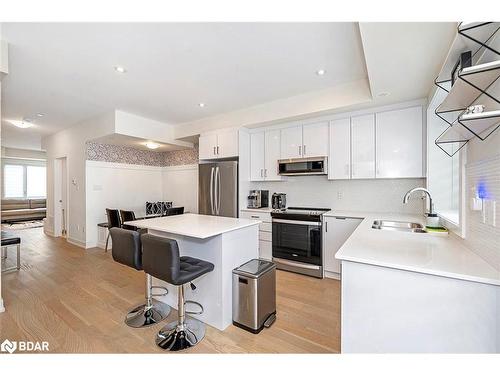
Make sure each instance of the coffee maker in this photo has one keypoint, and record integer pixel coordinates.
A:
(279, 201)
(258, 199)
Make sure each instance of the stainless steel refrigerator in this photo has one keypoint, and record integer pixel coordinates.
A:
(218, 189)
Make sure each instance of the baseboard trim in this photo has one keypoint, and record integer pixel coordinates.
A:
(333, 275)
(76, 242)
(48, 232)
(2, 308)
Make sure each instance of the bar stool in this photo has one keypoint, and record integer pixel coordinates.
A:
(161, 259)
(127, 250)
(113, 216)
(127, 216)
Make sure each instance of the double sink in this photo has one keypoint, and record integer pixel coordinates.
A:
(401, 226)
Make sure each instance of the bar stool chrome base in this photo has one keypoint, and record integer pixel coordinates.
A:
(175, 337)
(142, 316)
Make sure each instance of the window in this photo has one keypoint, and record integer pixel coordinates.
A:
(13, 181)
(443, 172)
(24, 179)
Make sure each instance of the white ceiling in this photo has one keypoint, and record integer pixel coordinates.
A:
(404, 58)
(65, 70)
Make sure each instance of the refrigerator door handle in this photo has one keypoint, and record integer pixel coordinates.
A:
(212, 191)
(219, 189)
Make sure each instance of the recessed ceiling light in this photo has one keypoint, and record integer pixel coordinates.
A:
(321, 72)
(383, 93)
(120, 69)
(40, 114)
(23, 124)
(201, 105)
(152, 145)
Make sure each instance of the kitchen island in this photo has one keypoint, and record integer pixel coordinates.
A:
(224, 241)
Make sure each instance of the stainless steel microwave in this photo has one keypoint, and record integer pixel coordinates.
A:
(302, 166)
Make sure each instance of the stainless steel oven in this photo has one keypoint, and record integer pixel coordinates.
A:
(297, 241)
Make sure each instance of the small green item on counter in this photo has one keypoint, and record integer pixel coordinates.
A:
(436, 229)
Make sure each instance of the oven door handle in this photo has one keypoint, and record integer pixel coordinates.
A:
(297, 222)
(292, 263)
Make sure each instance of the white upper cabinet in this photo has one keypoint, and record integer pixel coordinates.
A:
(315, 140)
(304, 141)
(223, 144)
(264, 155)
(272, 155)
(208, 146)
(257, 156)
(363, 146)
(339, 160)
(399, 137)
(291, 142)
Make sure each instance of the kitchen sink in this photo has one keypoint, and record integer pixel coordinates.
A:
(401, 226)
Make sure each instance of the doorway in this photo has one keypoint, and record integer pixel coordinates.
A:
(61, 197)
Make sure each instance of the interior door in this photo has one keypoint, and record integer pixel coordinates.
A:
(363, 146)
(226, 188)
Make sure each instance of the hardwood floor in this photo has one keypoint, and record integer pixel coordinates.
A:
(76, 300)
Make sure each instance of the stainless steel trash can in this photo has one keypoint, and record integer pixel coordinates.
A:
(254, 295)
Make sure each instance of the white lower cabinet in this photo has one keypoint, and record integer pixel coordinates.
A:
(336, 230)
(265, 231)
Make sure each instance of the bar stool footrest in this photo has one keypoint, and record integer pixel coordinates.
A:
(197, 304)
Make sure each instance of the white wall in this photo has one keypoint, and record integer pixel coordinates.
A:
(18, 153)
(121, 186)
(70, 143)
(180, 185)
(334, 98)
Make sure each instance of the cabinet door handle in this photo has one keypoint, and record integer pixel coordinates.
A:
(214, 150)
(265, 172)
(300, 150)
(261, 173)
(254, 217)
(217, 150)
(326, 226)
(304, 149)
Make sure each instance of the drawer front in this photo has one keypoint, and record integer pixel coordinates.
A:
(265, 236)
(264, 216)
(266, 227)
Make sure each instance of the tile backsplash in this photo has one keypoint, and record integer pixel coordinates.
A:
(480, 237)
(129, 155)
(376, 195)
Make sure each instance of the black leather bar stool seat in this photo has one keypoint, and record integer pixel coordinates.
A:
(161, 259)
(113, 216)
(127, 250)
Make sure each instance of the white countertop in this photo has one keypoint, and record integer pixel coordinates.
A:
(434, 254)
(194, 225)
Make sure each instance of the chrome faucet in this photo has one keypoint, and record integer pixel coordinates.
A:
(407, 197)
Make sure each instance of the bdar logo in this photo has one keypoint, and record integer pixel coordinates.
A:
(8, 346)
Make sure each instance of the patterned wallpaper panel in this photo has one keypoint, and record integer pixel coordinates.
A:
(129, 155)
(181, 157)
